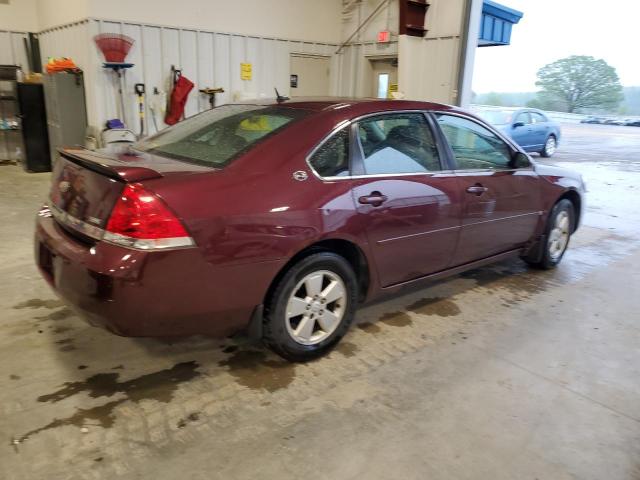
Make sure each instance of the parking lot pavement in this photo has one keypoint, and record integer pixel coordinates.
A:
(500, 373)
(586, 142)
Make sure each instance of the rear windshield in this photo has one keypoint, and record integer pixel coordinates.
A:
(495, 117)
(219, 135)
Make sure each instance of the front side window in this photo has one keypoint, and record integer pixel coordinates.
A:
(523, 118)
(332, 158)
(474, 146)
(537, 118)
(218, 136)
(397, 143)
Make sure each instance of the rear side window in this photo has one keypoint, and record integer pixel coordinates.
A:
(332, 158)
(398, 143)
(218, 136)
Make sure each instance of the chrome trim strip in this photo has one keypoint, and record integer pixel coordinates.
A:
(502, 218)
(386, 240)
(148, 244)
(439, 173)
(81, 226)
(100, 234)
(474, 171)
(474, 119)
(348, 123)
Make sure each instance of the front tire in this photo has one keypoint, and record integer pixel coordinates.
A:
(550, 146)
(311, 307)
(560, 226)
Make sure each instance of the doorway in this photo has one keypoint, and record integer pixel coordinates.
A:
(385, 77)
(309, 76)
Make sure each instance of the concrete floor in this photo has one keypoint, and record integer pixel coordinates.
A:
(500, 373)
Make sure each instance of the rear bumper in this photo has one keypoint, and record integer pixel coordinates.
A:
(138, 293)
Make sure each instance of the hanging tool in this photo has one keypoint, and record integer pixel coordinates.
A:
(120, 71)
(115, 48)
(211, 92)
(181, 88)
(139, 89)
(152, 107)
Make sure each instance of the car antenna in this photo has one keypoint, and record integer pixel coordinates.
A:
(280, 98)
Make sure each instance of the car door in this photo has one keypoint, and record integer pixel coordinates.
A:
(502, 203)
(521, 130)
(406, 198)
(541, 129)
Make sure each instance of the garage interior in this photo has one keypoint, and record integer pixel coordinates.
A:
(501, 373)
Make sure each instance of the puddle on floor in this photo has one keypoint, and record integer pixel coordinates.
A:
(39, 303)
(254, 369)
(57, 315)
(159, 385)
(347, 349)
(439, 306)
(369, 327)
(102, 416)
(396, 319)
(191, 418)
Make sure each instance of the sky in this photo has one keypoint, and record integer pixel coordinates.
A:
(554, 29)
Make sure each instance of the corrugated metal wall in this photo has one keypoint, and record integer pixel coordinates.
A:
(209, 59)
(12, 51)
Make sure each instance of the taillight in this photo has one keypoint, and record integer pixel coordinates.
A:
(140, 219)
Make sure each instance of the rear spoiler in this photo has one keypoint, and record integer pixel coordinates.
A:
(107, 165)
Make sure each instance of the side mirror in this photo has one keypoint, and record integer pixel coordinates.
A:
(520, 160)
(518, 124)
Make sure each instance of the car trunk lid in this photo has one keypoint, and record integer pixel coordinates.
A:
(86, 184)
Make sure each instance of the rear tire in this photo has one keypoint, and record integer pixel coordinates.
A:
(560, 226)
(311, 307)
(550, 146)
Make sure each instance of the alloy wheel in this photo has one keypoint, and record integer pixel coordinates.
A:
(559, 235)
(550, 146)
(316, 307)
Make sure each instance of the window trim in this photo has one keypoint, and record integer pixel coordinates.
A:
(359, 159)
(447, 158)
(337, 129)
(356, 167)
(510, 143)
(522, 112)
(544, 117)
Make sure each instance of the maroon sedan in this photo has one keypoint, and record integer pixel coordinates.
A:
(282, 218)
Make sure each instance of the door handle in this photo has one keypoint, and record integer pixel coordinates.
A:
(477, 189)
(374, 198)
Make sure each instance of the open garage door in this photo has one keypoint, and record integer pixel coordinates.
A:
(309, 76)
(385, 77)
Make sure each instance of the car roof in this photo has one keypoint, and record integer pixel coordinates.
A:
(319, 104)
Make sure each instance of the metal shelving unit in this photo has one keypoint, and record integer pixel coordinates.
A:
(11, 148)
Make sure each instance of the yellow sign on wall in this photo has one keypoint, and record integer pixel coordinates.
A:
(393, 87)
(245, 71)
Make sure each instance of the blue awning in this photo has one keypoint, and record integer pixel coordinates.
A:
(495, 26)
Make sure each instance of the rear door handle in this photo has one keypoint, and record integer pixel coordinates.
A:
(477, 189)
(374, 198)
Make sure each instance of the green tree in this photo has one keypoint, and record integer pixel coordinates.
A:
(579, 82)
(494, 98)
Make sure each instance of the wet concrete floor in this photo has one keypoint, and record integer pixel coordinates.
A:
(500, 373)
